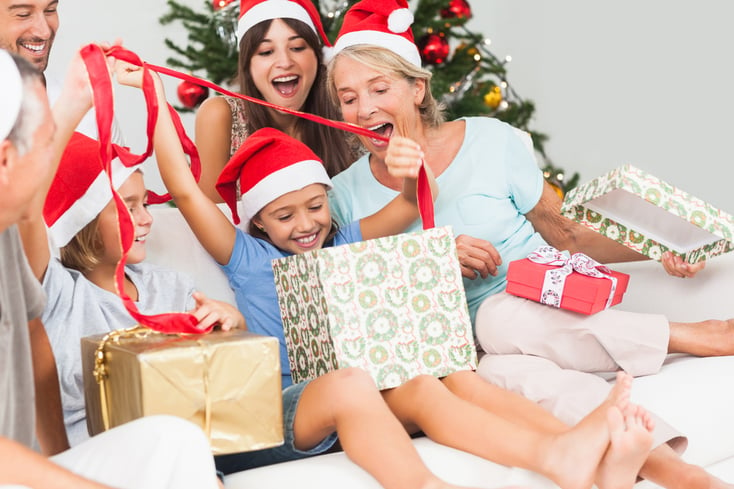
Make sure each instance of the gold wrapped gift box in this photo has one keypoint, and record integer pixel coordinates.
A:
(229, 383)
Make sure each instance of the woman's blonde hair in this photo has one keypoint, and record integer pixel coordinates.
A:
(83, 252)
(390, 63)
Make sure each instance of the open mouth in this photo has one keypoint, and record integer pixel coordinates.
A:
(141, 239)
(37, 47)
(307, 241)
(385, 130)
(286, 85)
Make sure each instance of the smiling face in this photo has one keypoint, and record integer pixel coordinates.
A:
(380, 101)
(298, 221)
(283, 66)
(28, 28)
(135, 196)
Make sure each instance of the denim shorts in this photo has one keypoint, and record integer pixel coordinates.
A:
(236, 462)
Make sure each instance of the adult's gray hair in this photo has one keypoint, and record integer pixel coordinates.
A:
(392, 64)
(30, 115)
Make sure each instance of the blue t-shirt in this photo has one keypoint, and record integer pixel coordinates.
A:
(484, 193)
(251, 277)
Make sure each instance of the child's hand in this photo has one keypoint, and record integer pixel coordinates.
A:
(404, 157)
(128, 74)
(212, 312)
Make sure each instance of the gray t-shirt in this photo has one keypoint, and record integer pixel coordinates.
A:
(77, 308)
(21, 299)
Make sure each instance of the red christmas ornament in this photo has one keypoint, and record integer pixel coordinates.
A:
(458, 9)
(191, 95)
(218, 4)
(434, 48)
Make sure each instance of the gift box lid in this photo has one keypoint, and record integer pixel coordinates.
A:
(650, 216)
(581, 293)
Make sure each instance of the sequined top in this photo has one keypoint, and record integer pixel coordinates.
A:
(239, 123)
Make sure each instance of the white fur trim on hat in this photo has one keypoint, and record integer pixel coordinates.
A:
(292, 177)
(393, 42)
(273, 9)
(400, 20)
(84, 210)
(11, 94)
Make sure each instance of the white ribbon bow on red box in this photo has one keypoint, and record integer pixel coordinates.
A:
(555, 278)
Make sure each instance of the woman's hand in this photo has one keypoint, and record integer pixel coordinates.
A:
(676, 267)
(212, 312)
(477, 257)
(404, 157)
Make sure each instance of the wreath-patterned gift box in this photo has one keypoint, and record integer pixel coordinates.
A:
(650, 216)
(393, 306)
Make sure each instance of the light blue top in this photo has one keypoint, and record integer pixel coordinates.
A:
(486, 190)
(251, 277)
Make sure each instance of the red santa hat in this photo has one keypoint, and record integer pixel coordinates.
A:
(253, 12)
(268, 165)
(11, 88)
(81, 188)
(384, 23)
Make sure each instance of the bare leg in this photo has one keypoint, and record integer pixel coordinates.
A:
(569, 459)
(665, 468)
(703, 339)
(347, 401)
(469, 386)
(631, 440)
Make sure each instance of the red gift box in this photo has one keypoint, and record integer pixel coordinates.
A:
(581, 293)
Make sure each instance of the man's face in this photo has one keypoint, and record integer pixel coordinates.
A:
(23, 174)
(28, 28)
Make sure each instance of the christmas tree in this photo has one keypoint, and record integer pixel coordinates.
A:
(467, 76)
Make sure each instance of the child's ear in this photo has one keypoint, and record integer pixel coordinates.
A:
(258, 223)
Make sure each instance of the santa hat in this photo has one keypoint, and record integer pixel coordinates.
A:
(268, 165)
(81, 188)
(11, 87)
(253, 12)
(384, 23)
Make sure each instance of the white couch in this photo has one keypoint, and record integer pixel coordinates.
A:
(693, 394)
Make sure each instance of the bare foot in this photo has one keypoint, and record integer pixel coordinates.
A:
(704, 339)
(574, 458)
(630, 444)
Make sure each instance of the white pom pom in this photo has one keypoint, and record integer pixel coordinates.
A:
(328, 54)
(400, 20)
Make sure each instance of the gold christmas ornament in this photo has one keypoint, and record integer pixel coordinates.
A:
(493, 98)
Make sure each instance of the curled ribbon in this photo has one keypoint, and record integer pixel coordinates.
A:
(555, 278)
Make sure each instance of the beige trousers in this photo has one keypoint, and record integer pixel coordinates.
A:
(558, 358)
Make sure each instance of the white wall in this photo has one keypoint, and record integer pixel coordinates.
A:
(646, 83)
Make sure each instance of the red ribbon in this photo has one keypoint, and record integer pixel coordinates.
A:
(95, 60)
(101, 83)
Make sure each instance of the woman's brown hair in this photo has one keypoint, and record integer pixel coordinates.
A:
(331, 145)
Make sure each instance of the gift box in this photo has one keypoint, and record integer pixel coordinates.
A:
(393, 306)
(650, 216)
(575, 283)
(229, 383)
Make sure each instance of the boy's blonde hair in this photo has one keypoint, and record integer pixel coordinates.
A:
(391, 64)
(83, 252)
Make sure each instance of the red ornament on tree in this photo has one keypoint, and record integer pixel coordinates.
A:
(458, 9)
(191, 95)
(434, 48)
(221, 3)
